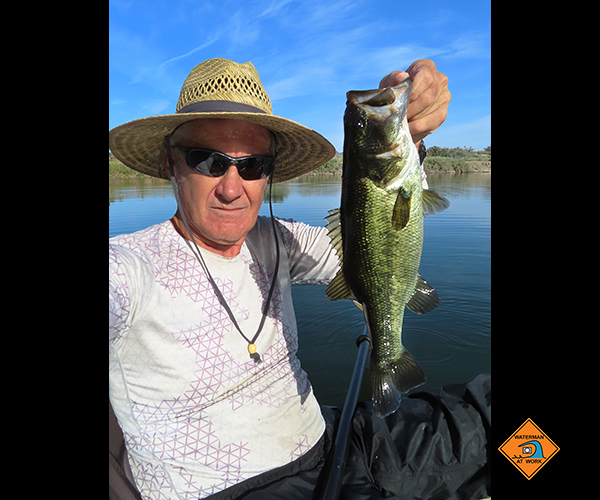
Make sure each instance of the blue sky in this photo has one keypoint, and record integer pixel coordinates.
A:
(308, 55)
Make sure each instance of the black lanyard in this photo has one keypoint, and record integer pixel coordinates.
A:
(251, 342)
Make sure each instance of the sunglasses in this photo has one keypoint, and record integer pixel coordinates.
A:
(215, 164)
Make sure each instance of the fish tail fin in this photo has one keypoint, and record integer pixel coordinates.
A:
(391, 378)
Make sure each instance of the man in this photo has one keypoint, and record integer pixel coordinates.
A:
(204, 378)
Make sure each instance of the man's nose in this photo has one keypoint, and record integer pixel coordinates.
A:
(230, 187)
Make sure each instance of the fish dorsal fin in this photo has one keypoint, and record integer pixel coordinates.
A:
(338, 288)
(433, 202)
(424, 299)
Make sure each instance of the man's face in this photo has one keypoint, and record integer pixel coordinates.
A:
(220, 210)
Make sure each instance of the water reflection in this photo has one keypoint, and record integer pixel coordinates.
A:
(452, 343)
(462, 186)
(140, 189)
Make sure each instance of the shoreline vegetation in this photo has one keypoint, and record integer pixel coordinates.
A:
(438, 160)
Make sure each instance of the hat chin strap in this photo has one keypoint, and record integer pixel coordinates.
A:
(251, 342)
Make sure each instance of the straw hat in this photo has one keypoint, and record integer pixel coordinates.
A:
(219, 88)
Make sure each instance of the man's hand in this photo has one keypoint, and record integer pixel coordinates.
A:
(429, 99)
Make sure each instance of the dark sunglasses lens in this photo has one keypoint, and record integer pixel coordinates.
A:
(255, 168)
(206, 162)
(215, 164)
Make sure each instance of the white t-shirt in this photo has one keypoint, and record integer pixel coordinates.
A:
(198, 415)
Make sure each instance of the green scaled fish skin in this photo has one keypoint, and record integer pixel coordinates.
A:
(378, 234)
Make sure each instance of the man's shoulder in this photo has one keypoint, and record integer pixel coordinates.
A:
(264, 226)
(157, 234)
(263, 230)
(147, 244)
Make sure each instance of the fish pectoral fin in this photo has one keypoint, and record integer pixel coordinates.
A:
(401, 213)
(433, 203)
(338, 288)
(424, 299)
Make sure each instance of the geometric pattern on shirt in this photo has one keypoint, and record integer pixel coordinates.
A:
(194, 438)
(120, 298)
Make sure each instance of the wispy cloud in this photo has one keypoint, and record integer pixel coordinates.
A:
(128, 52)
(274, 8)
(157, 107)
(162, 66)
(309, 53)
(472, 45)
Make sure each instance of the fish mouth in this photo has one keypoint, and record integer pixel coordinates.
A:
(380, 104)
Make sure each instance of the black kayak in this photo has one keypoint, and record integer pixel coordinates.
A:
(433, 447)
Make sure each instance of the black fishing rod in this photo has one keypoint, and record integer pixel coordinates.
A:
(330, 480)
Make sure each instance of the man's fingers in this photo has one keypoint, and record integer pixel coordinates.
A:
(429, 98)
(394, 78)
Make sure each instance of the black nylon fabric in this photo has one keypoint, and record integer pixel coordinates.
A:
(433, 447)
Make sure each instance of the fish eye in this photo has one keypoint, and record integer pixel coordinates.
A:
(360, 123)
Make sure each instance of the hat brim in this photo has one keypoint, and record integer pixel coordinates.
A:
(139, 143)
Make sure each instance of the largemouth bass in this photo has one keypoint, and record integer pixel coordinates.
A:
(378, 234)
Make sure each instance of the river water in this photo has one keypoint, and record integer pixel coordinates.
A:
(452, 343)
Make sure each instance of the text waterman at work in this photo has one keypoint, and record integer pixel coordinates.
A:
(204, 378)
